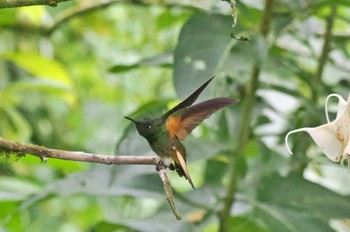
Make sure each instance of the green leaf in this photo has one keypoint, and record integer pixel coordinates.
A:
(8, 17)
(243, 224)
(40, 66)
(202, 42)
(201, 148)
(214, 171)
(287, 219)
(163, 221)
(106, 226)
(15, 189)
(294, 204)
(162, 60)
(249, 15)
(16, 126)
(46, 87)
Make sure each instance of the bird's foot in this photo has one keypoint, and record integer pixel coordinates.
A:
(172, 167)
(160, 165)
(163, 165)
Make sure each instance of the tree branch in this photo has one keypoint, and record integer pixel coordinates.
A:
(10, 147)
(20, 3)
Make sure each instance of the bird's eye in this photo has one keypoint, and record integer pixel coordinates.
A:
(149, 126)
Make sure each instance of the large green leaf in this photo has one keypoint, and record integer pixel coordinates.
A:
(202, 43)
(294, 204)
(286, 219)
(40, 66)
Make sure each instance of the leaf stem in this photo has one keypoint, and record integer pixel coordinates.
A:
(317, 78)
(243, 130)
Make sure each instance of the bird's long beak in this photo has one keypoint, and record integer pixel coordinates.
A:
(133, 120)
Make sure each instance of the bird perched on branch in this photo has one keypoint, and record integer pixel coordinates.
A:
(165, 134)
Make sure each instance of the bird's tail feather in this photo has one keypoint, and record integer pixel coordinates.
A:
(181, 167)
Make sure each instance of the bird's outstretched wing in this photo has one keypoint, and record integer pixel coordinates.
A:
(183, 121)
(189, 100)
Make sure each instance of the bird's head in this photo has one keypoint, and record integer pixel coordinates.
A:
(147, 127)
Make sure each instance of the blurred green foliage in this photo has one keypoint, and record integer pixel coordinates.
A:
(68, 75)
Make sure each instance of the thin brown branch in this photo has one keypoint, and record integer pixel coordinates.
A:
(10, 147)
(21, 3)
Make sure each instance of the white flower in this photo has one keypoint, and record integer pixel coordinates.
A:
(334, 137)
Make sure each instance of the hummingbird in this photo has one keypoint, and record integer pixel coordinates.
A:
(164, 134)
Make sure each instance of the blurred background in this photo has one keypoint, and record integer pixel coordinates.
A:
(69, 74)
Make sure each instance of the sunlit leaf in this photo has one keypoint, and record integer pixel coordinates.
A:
(40, 66)
(33, 15)
(8, 17)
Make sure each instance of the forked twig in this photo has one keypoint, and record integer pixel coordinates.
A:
(168, 192)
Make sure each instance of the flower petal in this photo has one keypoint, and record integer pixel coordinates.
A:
(326, 139)
(346, 154)
(342, 126)
(305, 129)
(332, 138)
(341, 105)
